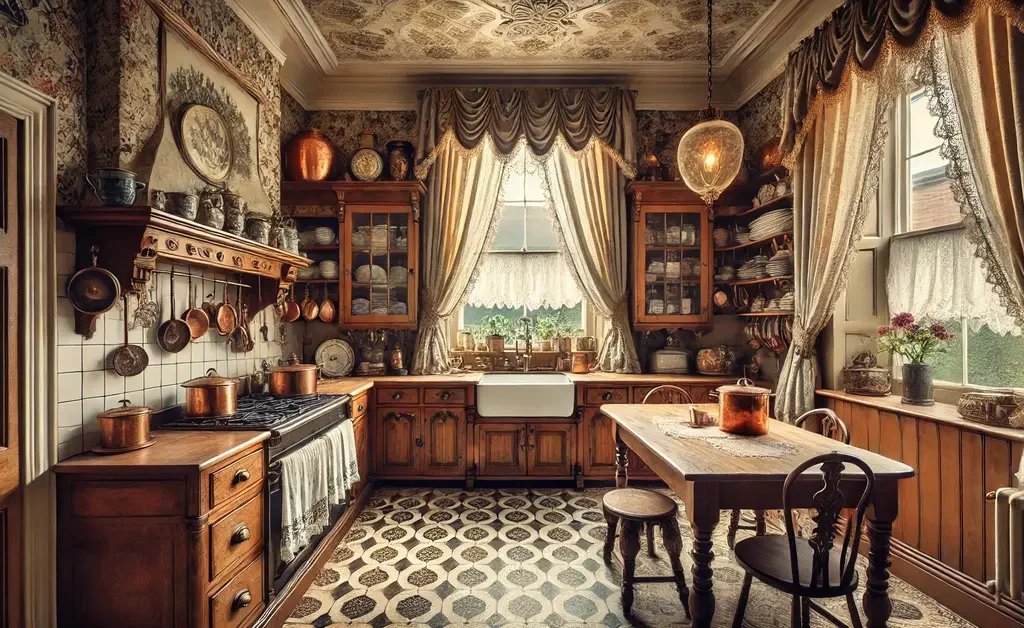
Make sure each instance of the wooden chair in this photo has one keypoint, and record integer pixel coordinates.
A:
(636, 508)
(829, 425)
(642, 508)
(816, 569)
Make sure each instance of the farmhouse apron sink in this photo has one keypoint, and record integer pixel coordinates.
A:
(516, 395)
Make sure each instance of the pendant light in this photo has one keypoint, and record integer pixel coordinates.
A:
(711, 152)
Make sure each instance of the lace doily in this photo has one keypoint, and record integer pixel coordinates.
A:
(732, 444)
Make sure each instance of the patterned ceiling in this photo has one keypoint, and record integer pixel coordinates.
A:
(524, 30)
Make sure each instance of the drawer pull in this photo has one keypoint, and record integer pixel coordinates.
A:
(242, 599)
(607, 396)
(445, 396)
(396, 396)
(241, 534)
(419, 442)
(242, 475)
(359, 408)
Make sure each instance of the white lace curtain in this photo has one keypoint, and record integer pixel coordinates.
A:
(535, 280)
(938, 277)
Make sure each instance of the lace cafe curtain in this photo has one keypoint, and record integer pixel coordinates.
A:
(936, 276)
(535, 280)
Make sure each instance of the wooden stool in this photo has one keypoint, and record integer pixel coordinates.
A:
(636, 508)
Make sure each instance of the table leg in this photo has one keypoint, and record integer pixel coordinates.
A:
(881, 514)
(702, 511)
(621, 462)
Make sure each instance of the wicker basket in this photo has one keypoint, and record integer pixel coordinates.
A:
(998, 409)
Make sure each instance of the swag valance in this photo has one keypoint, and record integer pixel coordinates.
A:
(857, 32)
(578, 115)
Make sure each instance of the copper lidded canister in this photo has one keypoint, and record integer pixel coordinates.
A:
(124, 429)
(308, 156)
(743, 408)
(211, 396)
(293, 378)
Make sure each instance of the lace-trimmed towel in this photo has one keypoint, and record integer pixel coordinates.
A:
(313, 479)
(733, 444)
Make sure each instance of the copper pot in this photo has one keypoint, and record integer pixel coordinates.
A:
(211, 396)
(743, 408)
(308, 156)
(292, 378)
(124, 429)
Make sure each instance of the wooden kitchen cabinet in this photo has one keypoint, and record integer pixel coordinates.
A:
(361, 429)
(398, 440)
(551, 449)
(672, 256)
(444, 446)
(501, 449)
(598, 451)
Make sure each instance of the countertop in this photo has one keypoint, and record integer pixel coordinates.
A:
(940, 413)
(357, 385)
(182, 450)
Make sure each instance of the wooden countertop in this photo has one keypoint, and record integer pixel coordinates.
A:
(174, 450)
(356, 385)
(940, 413)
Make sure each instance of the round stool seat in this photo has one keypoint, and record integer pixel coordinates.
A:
(639, 504)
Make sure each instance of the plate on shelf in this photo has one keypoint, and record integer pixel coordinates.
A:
(335, 357)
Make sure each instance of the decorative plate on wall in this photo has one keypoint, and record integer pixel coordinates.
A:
(206, 143)
(335, 357)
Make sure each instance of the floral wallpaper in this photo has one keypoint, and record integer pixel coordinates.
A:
(344, 127)
(659, 132)
(526, 29)
(293, 117)
(48, 53)
(760, 118)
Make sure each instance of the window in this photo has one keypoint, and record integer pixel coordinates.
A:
(933, 272)
(523, 274)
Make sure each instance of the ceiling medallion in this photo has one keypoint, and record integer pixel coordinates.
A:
(540, 18)
(711, 152)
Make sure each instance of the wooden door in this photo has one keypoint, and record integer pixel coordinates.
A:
(550, 448)
(362, 433)
(398, 441)
(501, 449)
(10, 481)
(444, 435)
(598, 449)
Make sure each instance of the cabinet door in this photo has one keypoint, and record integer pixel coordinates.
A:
(444, 436)
(551, 448)
(361, 427)
(598, 444)
(379, 278)
(397, 439)
(501, 448)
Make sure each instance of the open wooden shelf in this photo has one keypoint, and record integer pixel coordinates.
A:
(769, 313)
(751, 282)
(760, 242)
(132, 240)
(779, 202)
(319, 247)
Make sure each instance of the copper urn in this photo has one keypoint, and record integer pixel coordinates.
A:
(743, 408)
(309, 156)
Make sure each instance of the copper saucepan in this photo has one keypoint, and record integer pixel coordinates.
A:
(292, 378)
(211, 396)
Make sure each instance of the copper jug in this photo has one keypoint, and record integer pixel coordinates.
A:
(309, 156)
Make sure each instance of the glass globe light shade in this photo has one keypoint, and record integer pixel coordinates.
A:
(710, 155)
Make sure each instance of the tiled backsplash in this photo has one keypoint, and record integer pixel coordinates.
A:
(87, 385)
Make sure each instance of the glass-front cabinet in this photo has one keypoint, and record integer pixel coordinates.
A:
(672, 247)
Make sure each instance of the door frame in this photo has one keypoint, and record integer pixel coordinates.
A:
(38, 411)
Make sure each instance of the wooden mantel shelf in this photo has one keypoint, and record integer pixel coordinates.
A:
(165, 237)
(327, 199)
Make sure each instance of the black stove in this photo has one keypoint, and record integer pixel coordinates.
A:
(290, 420)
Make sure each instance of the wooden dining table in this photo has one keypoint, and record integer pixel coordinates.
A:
(710, 479)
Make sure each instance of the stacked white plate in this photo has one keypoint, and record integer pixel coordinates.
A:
(754, 268)
(771, 223)
(742, 235)
(309, 272)
(787, 302)
(379, 304)
(365, 273)
(399, 275)
(721, 237)
(725, 273)
(781, 264)
(656, 307)
(400, 308)
(377, 238)
(657, 267)
(329, 269)
(323, 236)
(360, 307)
(671, 269)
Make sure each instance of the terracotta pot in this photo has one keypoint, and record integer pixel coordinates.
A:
(496, 344)
(309, 156)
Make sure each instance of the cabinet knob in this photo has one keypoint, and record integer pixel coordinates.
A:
(445, 396)
(242, 475)
(241, 534)
(242, 599)
(607, 396)
(419, 442)
(359, 408)
(396, 396)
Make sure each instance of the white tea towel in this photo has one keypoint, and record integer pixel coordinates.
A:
(348, 445)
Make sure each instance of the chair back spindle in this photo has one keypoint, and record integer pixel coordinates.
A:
(829, 424)
(669, 394)
(829, 502)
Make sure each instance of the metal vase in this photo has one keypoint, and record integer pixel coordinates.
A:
(918, 389)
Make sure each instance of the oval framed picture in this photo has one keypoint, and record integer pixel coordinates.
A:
(206, 143)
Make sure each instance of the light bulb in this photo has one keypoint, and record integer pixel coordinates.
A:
(709, 161)
(709, 157)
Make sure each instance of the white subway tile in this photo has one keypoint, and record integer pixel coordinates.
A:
(94, 384)
(61, 284)
(94, 358)
(69, 434)
(69, 449)
(90, 424)
(153, 397)
(198, 369)
(112, 401)
(135, 383)
(69, 414)
(65, 263)
(155, 353)
(114, 384)
(169, 396)
(114, 329)
(69, 387)
(169, 374)
(91, 408)
(153, 377)
(69, 358)
(198, 350)
(185, 373)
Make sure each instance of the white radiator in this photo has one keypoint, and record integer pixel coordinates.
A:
(1009, 547)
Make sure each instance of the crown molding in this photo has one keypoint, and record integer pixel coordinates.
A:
(258, 30)
(316, 78)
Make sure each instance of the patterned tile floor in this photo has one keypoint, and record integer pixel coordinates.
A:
(525, 557)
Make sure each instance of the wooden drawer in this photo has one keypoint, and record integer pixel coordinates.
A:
(236, 535)
(360, 404)
(398, 396)
(142, 498)
(445, 396)
(239, 599)
(236, 477)
(596, 396)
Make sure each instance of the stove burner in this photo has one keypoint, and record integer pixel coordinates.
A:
(259, 413)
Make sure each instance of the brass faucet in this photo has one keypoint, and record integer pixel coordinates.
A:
(525, 322)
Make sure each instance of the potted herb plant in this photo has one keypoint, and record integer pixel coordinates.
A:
(915, 343)
(498, 327)
(545, 331)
